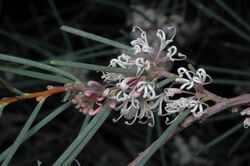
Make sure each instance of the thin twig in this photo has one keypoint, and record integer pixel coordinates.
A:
(221, 104)
(51, 90)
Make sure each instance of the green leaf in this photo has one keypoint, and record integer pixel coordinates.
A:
(159, 133)
(2, 105)
(231, 82)
(226, 70)
(222, 117)
(161, 140)
(221, 138)
(22, 133)
(237, 47)
(149, 135)
(83, 138)
(233, 14)
(59, 20)
(87, 66)
(164, 82)
(238, 142)
(38, 65)
(10, 87)
(26, 43)
(220, 19)
(38, 126)
(94, 37)
(33, 74)
(85, 122)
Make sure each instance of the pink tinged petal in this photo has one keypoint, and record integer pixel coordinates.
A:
(245, 111)
(96, 110)
(112, 105)
(94, 83)
(135, 94)
(106, 92)
(172, 91)
(89, 92)
(100, 98)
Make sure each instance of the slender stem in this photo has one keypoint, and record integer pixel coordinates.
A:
(172, 130)
(144, 156)
(41, 94)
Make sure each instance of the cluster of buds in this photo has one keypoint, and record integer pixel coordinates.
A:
(88, 100)
(137, 96)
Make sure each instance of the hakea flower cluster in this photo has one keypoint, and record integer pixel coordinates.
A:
(136, 96)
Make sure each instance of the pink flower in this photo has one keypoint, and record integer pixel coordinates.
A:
(96, 110)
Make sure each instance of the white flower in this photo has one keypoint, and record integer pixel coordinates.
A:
(126, 83)
(142, 65)
(109, 77)
(162, 36)
(172, 52)
(146, 111)
(121, 96)
(147, 88)
(141, 43)
(197, 107)
(176, 106)
(188, 82)
(202, 77)
(128, 111)
(122, 61)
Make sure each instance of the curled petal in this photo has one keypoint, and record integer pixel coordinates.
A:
(94, 83)
(201, 77)
(141, 44)
(172, 91)
(162, 36)
(201, 108)
(89, 92)
(137, 27)
(96, 110)
(245, 111)
(112, 104)
(100, 98)
(186, 84)
(106, 92)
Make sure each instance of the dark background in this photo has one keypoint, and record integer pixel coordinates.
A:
(203, 37)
